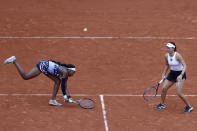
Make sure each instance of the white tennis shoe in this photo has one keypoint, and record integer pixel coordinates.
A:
(66, 99)
(10, 60)
(54, 103)
(71, 100)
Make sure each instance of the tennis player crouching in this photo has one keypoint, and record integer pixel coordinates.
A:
(177, 75)
(56, 71)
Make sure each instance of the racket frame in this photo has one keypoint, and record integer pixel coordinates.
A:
(78, 103)
(156, 87)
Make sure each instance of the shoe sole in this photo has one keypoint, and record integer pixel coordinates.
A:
(54, 105)
(6, 62)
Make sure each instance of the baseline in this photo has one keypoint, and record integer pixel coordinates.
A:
(16, 94)
(97, 37)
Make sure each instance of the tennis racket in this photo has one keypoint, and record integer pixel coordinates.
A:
(151, 92)
(85, 103)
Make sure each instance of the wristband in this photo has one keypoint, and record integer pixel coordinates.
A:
(67, 97)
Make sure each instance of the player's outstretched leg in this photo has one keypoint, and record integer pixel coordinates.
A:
(25, 75)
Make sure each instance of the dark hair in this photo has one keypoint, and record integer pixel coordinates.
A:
(174, 45)
(65, 65)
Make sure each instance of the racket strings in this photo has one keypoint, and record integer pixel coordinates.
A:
(150, 93)
(87, 103)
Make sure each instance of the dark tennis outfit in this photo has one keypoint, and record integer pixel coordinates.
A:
(49, 67)
(175, 68)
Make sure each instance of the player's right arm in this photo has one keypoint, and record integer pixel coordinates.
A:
(166, 66)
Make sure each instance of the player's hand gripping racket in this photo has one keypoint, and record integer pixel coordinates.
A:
(85, 103)
(151, 92)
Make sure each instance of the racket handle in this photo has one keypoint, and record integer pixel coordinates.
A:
(72, 101)
(75, 102)
(161, 81)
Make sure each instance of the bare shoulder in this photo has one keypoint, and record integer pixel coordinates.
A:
(178, 55)
(166, 58)
(166, 55)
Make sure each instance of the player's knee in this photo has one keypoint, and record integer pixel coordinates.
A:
(25, 77)
(57, 81)
(179, 93)
(164, 89)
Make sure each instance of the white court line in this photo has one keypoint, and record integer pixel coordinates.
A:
(138, 95)
(44, 94)
(104, 112)
(97, 37)
(15, 94)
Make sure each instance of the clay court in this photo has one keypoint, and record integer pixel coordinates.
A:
(120, 55)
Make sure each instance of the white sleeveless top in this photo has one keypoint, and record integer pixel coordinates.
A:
(175, 65)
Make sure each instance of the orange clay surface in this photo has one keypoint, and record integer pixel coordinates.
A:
(115, 66)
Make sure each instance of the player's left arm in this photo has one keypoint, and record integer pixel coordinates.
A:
(182, 61)
(65, 91)
(64, 86)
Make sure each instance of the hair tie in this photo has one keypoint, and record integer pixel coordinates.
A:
(73, 69)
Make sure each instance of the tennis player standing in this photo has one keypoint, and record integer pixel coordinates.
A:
(177, 75)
